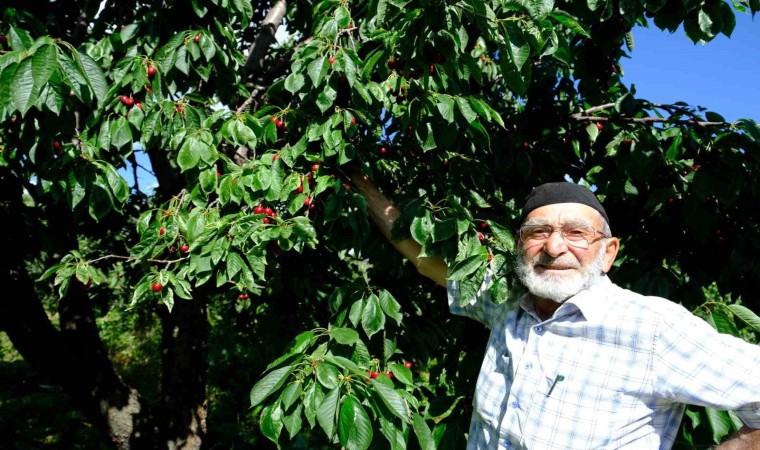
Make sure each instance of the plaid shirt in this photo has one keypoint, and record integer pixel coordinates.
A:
(610, 369)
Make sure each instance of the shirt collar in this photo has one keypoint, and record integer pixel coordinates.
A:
(590, 302)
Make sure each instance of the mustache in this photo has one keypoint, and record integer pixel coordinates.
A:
(542, 259)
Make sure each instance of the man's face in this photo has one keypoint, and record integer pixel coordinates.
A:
(555, 270)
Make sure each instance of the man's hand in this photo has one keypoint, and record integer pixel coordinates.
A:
(745, 439)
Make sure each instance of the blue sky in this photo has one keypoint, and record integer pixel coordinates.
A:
(721, 76)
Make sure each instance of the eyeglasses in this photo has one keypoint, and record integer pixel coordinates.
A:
(574, 235)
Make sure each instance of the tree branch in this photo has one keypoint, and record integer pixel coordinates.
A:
(265, 37)
(587, 116)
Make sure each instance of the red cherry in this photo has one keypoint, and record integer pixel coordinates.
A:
(162, 231)
(266, 220)
(151, 70)
(373, 374)
(157, 287)
(315, 167)
(389, 374)
(383, 150)
(483, 225)
(278, 123)
(268, 211)
(331, 60)
(275, 157)
(431, 69)
(56, 145)
(243, 296)
(258, 209)
(299, 189)
(139, 105)
(184, 248)
(197, 38)
(408, 364)
(353, 121)
(307, 201)
(599, 126)
(481, 237)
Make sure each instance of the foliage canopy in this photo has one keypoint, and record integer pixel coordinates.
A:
(254, 252)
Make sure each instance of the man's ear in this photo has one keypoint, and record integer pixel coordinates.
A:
(610, 253)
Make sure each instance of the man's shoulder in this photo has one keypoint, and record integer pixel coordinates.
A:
(610, 300)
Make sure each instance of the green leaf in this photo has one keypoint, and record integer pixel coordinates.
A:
(629, 41)
(402, 373)
(746, 316)
(190, 153)
(290, 394)
(423, 433)
(269, 384)
(373, 319)
(462, 269)
(100, 202)
(120, 133)
(94, 76)
(570, 22)
(294, 82)
(270, 422)
(720, 424)
(445, 106)
(22, 86)
(327, 375)
(346, 336)
(293, 422)
(44, 62)
(390, 306)
(503, 236)
(118, 185)
(539, 9)
(354, 426)
(392, 400)
(327, 412)
(317, 70)
(466, 110)
(444, 229)
(234, 264)
(127, 32)
(593, 131)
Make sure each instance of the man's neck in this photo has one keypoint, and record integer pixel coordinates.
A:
(544, 307)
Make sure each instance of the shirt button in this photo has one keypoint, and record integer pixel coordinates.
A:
(514, 405)
(528, 365)
(539, 329)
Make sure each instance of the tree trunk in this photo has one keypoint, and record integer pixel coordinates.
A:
(75, 357)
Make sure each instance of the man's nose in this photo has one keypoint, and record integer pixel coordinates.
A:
(555, 244)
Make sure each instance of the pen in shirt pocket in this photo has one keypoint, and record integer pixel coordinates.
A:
(557, 379)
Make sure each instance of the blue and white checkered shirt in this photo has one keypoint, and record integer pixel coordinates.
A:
(610, 369)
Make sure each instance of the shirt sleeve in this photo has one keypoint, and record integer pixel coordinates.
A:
(480, 307)
(697, 365)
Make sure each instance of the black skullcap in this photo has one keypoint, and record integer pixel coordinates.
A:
(561, 192)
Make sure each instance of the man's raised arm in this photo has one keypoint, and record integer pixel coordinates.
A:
(383, 212)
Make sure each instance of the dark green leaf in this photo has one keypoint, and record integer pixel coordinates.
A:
(269, 384)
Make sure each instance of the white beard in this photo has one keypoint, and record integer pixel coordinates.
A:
(559, 288)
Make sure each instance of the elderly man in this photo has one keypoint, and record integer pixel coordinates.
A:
(578, 362)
